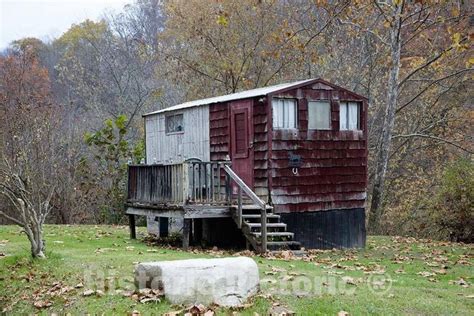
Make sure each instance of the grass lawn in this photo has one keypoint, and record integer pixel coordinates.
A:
(392, 276)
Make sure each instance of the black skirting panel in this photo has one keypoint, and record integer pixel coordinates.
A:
(328, 229)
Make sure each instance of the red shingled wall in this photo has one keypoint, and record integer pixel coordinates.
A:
(333, 174)
(334, 170)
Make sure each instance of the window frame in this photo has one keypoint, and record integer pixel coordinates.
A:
(359, 115)
(167, 117)
(329, 117)
(296, 114)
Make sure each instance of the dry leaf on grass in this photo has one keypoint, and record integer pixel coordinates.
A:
(348, 280)
(426, 274)
(88, 292)
(42, 304)
(278, 310)
(460, 282)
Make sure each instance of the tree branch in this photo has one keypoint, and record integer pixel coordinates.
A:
(430, 85)
(435, 138)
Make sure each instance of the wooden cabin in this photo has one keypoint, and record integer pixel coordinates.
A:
(277, 167)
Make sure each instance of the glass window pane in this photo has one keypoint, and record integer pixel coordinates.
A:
(353, 116)
(284, 113)
(277, 113)
(343, 116)
(174, 123)
(319, 115)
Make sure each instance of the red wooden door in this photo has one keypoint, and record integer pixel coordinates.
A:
(241, 134)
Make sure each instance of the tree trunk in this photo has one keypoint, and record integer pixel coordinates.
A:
(35, 236)
(37, 252)
(388, 124)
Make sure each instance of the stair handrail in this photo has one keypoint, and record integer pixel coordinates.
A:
(261, 204)
(244, 187)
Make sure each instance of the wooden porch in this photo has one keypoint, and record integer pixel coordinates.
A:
(202, 190)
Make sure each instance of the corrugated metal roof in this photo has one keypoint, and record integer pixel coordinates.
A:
(233, 96)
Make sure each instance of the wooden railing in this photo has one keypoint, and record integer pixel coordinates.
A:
(179, 184)
(203, 183)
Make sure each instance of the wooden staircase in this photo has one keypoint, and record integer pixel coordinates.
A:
(261, 227)
(277, 235)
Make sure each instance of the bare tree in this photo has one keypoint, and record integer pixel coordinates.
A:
(30, 149)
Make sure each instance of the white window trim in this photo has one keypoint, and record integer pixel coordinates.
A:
(330, 115)
(296, 114)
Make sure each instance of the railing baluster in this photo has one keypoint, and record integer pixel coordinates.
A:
(219, 193)
(263, 227)
(239, 208)
(208, 181)
(211, 189)
(200, 182)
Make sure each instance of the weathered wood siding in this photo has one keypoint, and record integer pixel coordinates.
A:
(333, 174)
(219, 115)
(219, 120)
(193, 142)
(260, 147)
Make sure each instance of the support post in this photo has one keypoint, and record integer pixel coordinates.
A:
(131, 222)
(185, 183)
(239, 208)
(264, 229)
(186, 232)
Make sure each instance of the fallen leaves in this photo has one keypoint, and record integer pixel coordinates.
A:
(42, 297)
(279, 310)
(42, 304)
(194, 310)
(145, 295)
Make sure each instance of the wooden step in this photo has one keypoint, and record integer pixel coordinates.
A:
(275, 234)
(251, 207)
(269, 225)
(259, 216)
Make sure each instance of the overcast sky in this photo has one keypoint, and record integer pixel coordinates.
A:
(46, 19)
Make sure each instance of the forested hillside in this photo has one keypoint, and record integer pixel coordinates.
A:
(70, 108)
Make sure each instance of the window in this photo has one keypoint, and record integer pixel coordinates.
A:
(349, 116)
(284, 113)
(174, 123)
(319, 115)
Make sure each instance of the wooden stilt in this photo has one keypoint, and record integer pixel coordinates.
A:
(186, 232)
(131, 222)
